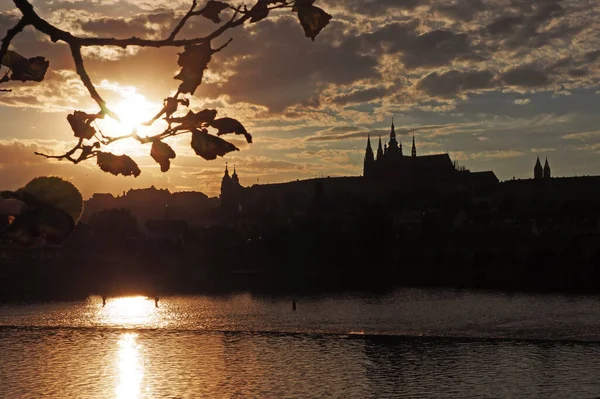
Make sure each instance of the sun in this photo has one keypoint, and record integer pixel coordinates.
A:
(134, 109)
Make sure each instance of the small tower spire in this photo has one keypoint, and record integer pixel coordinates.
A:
(369, 159)
(414, 148)
(547, 172)
(538, 172)
(379, 151)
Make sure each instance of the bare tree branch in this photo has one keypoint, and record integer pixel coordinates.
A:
(87, 82)
(183, 21)
(194, 60)
(10, 34)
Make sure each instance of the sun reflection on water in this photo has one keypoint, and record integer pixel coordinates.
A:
(133, 311)
(131, 371)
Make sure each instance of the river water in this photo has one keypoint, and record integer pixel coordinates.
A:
(410, 343)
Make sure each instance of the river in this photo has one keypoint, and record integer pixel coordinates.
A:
(409, 343)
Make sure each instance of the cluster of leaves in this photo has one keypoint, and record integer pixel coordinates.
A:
(51, 207)
(193, 60)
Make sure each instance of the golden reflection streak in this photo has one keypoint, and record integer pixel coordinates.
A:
(131, 371)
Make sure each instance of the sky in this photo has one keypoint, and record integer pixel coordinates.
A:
(494, 83)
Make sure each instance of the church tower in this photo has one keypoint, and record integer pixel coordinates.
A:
(394, 147)
(547, 172)
(379, 151)
(414, 148)
(369, 162)
(538, 172)
(235, 178)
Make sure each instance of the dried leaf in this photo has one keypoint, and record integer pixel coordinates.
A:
(209, 146)
(193, 61)
(212, 10)
(162, 153)
(81, 124)
(302, 3)
(117, 164)
(230, 125)
(195, 120)
(313, 20)
(25, 69)
(259, 12)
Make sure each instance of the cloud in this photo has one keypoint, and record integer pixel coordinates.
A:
(522, 101)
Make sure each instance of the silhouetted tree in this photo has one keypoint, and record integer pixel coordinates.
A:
(194, 60)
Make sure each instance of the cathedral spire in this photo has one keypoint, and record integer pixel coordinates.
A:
(379, 150)
(538, 172)
(414, 148)
(547, 172)
(393, 132)
(369, 159)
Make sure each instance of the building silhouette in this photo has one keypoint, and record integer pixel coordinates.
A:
(542, 173)
(231, 191)
(393, 167)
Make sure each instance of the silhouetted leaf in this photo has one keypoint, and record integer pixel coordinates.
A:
(313, 19)
(230, 125)
(39, 226)
(259, 12)
(56, 192)
(117, 164)
(209, 146)
(25, 69)
(212, 10)
(162, 153)
(195, 120)
(51, 208)
(80, 123)
(193, 61)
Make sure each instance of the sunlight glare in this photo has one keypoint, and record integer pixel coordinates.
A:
(131, 371)
(125, 311)
(134, 109)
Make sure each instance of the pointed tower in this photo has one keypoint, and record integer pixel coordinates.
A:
(547, 172)
(369, 159)
(393, 147)
(225, 184)
(538, 172)
(414, 148)
(234, 177)
(379, 151)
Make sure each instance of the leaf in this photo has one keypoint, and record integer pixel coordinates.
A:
(230, 125)
(313, 19)
(56, 192)
(195, 120)
(51, 208)
(302, 3)
(117, 164)
(25, 69)
(80, 123)
(39, 226)
(209, 146)
(193, 61)
(212, 10)
(259, 12)
(162, 153)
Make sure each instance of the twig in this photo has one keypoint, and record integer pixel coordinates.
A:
(87, 82)
(10, 34)
(183, 21)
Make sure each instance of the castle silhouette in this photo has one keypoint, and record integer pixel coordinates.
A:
(392, 166)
